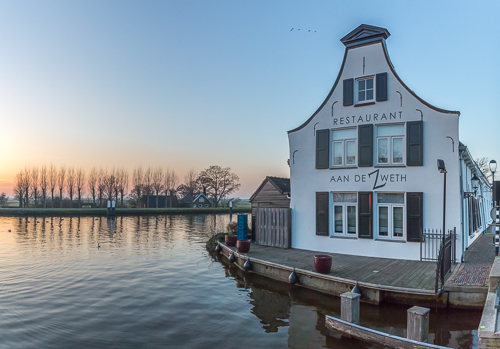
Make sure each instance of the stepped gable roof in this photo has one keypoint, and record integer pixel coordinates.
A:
(365, 34)
(281, 184)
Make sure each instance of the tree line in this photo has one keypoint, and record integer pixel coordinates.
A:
(49, 186)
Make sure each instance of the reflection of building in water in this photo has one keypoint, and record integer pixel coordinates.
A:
(271, 308)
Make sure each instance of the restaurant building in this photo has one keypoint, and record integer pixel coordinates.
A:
(363, 167)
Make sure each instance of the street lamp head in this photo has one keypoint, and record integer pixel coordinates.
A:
(475, 182)
(441, 166)
(493, 166)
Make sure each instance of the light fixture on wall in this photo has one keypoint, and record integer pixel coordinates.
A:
(475, 184)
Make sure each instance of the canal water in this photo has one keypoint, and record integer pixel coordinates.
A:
(149, 282)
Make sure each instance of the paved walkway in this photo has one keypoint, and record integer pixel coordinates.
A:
(381, 271)
(478, 261)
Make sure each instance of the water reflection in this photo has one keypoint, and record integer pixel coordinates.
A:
(152, 284)
(280, 305)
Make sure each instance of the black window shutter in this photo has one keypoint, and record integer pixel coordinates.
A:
(348, 92)
(322, 149)
(381, 87)
(365, 203)
(365, 145)
(322, 209)
(414, 219)
(415, 143)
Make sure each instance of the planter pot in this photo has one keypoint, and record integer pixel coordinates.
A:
(231, 240)
(243, 246)
(322, 263)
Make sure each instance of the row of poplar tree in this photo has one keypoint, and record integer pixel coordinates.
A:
(51, 186)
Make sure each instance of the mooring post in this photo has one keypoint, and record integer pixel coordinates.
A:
(349, 307)
(418, 324)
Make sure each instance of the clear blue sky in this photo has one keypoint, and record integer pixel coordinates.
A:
(189, 84)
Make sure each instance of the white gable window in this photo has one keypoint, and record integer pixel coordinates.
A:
(344, 147)
(365, 89)
(390, 145)
(390, 217)
(202, 199)
(344, 214)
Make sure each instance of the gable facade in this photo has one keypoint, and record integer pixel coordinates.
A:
(364, 177)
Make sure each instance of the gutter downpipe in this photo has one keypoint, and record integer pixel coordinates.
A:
(461, 208)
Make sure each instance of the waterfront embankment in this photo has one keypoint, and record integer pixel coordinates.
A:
(59, 212)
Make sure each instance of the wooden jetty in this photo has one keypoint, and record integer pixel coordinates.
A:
(379, 279)
(373, 336)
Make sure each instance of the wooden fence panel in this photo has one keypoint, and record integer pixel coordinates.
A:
(274, 227)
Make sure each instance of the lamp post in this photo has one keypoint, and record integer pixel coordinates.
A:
(493, 168)
(442, 169)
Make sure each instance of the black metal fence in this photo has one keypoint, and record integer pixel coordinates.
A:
(435, 247)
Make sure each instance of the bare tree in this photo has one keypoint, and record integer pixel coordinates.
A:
(52, 181)
(92, 182)
(80, 183)
(26, 186)
(484, 165)
(34, 174)
(44, 183)
(122, 184)
(71, 183)
(148, 184)
(101, 184)
(19, 187)
(158, 182)
(61, 181)
(170, 185)
(219, 182)
(137, 184)
(110, 184)
(191, 185)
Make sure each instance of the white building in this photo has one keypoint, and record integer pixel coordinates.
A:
(363, 171)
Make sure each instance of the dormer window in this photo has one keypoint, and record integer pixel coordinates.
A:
(365, 89)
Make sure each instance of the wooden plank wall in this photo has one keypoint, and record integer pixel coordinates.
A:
(273, 227)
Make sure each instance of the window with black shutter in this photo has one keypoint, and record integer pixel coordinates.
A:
(365, 204)
(322, 149)
(414, 219)
(348, 92)
(415, 143)
(381, 90)
(365, 145)
(322, 209)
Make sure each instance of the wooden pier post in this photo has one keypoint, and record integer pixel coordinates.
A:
(349, 307)
(418, 324)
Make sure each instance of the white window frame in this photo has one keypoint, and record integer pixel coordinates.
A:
(344, 151)
(390, 219)
(202, 199)
(357, 90)
(390, 146)
(345, 223)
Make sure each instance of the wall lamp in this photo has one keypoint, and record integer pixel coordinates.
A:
(475, 184)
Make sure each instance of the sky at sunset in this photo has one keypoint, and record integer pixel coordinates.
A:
(189, 84)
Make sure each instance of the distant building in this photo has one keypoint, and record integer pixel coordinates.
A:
(170, 201)
(199, 201)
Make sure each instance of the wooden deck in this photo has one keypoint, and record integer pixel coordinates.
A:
(382, 271)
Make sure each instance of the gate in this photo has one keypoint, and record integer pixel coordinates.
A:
(273, 227)
(433, 248)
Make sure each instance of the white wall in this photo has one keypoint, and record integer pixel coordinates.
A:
(306, 180)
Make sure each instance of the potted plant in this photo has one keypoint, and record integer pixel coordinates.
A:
(231, 237)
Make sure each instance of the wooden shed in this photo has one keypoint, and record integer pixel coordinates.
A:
(271, 218)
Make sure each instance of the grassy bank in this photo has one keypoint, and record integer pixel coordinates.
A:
(56, 212)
